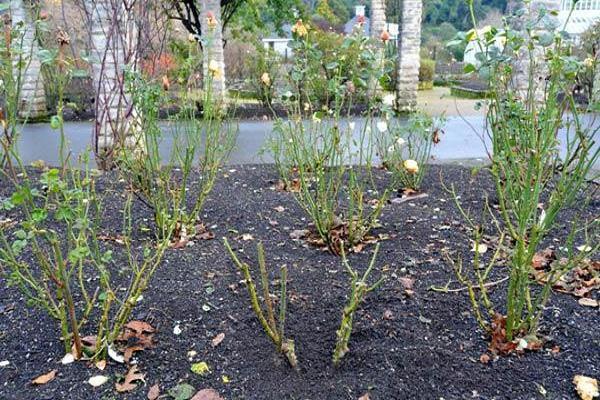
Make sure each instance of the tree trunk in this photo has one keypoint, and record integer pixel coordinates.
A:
(33, 95)
(212, 44)
(115, 43)
(409, 59)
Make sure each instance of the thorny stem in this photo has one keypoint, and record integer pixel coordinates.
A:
(358, 292)
(274, 330)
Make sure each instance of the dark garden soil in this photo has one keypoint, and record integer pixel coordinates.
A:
(423, 345)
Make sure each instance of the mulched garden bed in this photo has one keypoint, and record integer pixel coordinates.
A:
(419, 343)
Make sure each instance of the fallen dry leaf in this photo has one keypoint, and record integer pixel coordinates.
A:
(203, 233)
(589, 302)
(365, 397)
(130, 350)
(43, 379)
(279, 209)
(484, 358)
(481, 248)
(67, 359)
(543, 258)
(246, 237)
(101, 365)
(218, 339)
(299, 234)
(406, 282)
(153, 393)
(98, 380)
(133, 375)
(587, 388)
(207, 394)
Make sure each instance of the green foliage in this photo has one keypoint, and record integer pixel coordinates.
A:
(328, 59)
(273, 327)
(359, 289)
(533, 180)
(456, 12)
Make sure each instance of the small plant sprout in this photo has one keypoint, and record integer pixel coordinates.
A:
(359, 290)
(274, 328)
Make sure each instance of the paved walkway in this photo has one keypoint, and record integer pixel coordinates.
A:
(460, 141)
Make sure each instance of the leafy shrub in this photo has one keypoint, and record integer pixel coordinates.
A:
(327, 57)
(405, 147)
(200, 146)
(264, 71)
(533, 180)
(331, 161)
(426, 70)
(51, 254)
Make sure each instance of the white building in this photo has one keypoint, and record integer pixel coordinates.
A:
(585, 14)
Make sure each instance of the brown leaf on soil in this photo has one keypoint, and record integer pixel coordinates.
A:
(279, 209)
(203, 233)
(218, 339)
(180, 244)
(43, 379)
(407, 192)
(498, 342)
(101, 365)
(88, 342)
(580, 281)
(140, 327)
(118, 239)
(133, 375)
(484, 358)
(293, 187)
(587, 388)
(406, 282)
(153, 393)
(207, 394)
(365, 397)
(130, 350)
(543, 258)
(137, 336)
(589, 302)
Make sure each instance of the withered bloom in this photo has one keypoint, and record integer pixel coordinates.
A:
(62, 38)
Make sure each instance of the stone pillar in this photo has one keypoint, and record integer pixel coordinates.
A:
(378, 19)
(33, 95)
(409, 58)
(523, 77)
(213, 60)
(378, 25)
(114, 37)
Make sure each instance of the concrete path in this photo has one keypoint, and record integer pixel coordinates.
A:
(463, 140)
